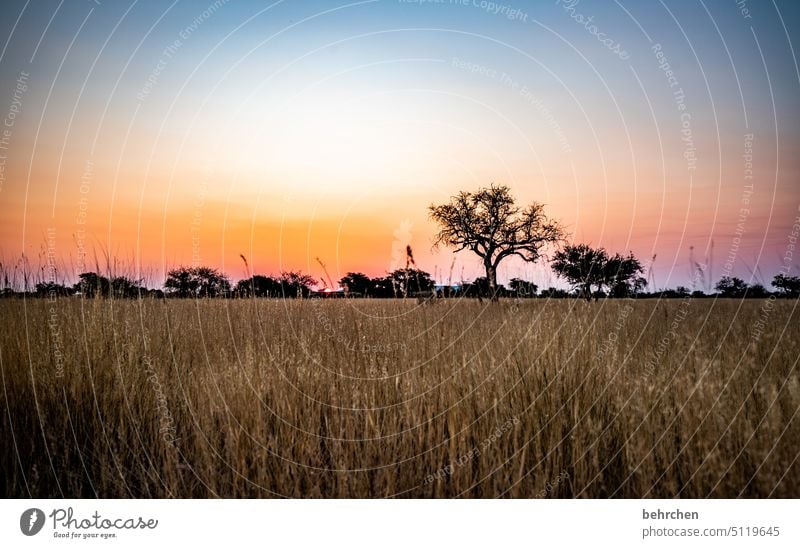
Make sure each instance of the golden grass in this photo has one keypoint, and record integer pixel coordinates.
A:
(376, 398)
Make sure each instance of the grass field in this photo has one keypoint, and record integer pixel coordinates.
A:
(380, 398)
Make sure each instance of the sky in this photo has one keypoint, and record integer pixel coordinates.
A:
(143, 135)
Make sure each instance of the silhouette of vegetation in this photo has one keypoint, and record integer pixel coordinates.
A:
(582, 267)
(488, 223)
(357, 284)
(91, 284)
(554, 293)
(480, 288)
(623, 275)
(757, 291)
(296, 284)
(788, 286)
(52, 289)
(200, 281)
(679, 292)
(732, 287)
(258, 286)
(123, 287)
(402, 283)
(289, 285)
(522, 289)
(592, 271)
(407, 282)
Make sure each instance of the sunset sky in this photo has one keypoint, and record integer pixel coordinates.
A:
(187, 133)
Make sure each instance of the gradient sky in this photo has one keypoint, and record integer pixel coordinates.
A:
(165, 133)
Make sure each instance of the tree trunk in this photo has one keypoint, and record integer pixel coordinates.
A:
(491, 275)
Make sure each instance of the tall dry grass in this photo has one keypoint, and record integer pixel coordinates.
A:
(366, 398)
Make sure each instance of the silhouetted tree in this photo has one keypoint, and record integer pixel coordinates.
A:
(181, 282)
(407, 282)
(296, 284)
(733, 287)
(356, 283)
(123, 287)
(211, 282)
(583, 267)
(52, 289)
(200, 281)
(522, 288)
(243, 288)
(554, 293)
(622, 275)
(756, 291)
(154, 294)
(91, 285)
(678, 293)
(488, 223)
(480, 287)
(259, 286)
(590, 271)
(789, 286)
(383, 288)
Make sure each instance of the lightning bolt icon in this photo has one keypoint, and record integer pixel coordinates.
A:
(33, 518)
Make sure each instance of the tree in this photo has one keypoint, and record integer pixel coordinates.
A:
(622, 275)
(583, 267)
(522, 288)
(181, 282)
(479, 287)
(154, 293)
(554, 293)
(123, 287)
(383, 288)
(211, 282)
(734, 287)
(590, 271)
(789, 286)
(680, 292)
(757, 291)
(407, 282)
(488, 223)
(92, 285)
(258, 286)
(296, 284)
(52, 289)
(356, 283)
(200, 281)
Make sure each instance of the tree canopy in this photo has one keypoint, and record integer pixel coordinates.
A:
(588, 270)
(731, 286)
(789, 286)
(200, 281)
(356, 283)
(488, 223)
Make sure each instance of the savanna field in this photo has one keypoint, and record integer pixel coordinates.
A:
(389, 398)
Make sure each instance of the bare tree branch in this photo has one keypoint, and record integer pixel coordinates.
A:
(488, 223)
